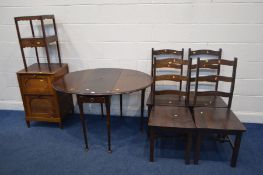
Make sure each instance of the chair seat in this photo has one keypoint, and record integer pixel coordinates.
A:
(171, 117)
(207, 101)
(166, 100)
(173, 100)
(218, 119)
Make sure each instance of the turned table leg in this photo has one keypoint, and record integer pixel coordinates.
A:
(108, 123)
(142, 108)
(121, 105)
(80, 104)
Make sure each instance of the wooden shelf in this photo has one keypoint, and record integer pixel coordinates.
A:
(37, 41)
(39, 17)
(42, 68)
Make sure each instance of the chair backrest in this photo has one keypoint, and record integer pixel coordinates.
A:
(172, 63)
(165, 54)
(203, 54)
(215, 78)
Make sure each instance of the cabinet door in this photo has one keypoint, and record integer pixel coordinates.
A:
(41, 106)
(36, 84)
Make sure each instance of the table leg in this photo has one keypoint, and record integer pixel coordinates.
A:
(142, 108)
(151, 145)
(236, 149)
(83, 123)
(107, 103)
(101, 106)
(121, 105)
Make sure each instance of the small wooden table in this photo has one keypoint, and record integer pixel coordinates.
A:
(98, 85)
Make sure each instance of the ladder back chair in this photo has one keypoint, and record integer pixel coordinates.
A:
(208, 69)
(215, 79)
(221, 121)
(170, 120)
(165, 59)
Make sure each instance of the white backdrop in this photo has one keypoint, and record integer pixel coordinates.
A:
(121, 33)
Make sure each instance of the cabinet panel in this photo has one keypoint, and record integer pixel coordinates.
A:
(36, 84)
(41, 101)
(41, 106)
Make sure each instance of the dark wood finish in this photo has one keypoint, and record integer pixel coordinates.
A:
(221, 121)
(171, 117)
(33, 34)
(108, 102)
(142, 108)
(205, 52)
(171, 77)
(98, 85)
(165, 119)
(169, 63)
(171, 120)
(217, 120)
(41, 101)
(121, 105)
(56, 34)
(207, 101)
(236, 150)
(165, 100)
(172, 92)
(167, 52)
(33, 84)
(82, 119)
(178, 78)
(214, 56)
(215, 78)
(36, 42)
(165, 58)
(103, 81)
(39, 17)
(102, 113)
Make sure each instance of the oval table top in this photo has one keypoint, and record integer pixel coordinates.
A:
(103, 81)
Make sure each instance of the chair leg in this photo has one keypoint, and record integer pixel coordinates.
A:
(149, 112)
(151, 145)
(197, 148)
(101, 106)
(188, 148)
(236, 149)
(121, 105)
(72, 108)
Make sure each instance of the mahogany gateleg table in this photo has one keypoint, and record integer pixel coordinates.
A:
(98, 85)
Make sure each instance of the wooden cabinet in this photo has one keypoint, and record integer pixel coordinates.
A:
(41, 101)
